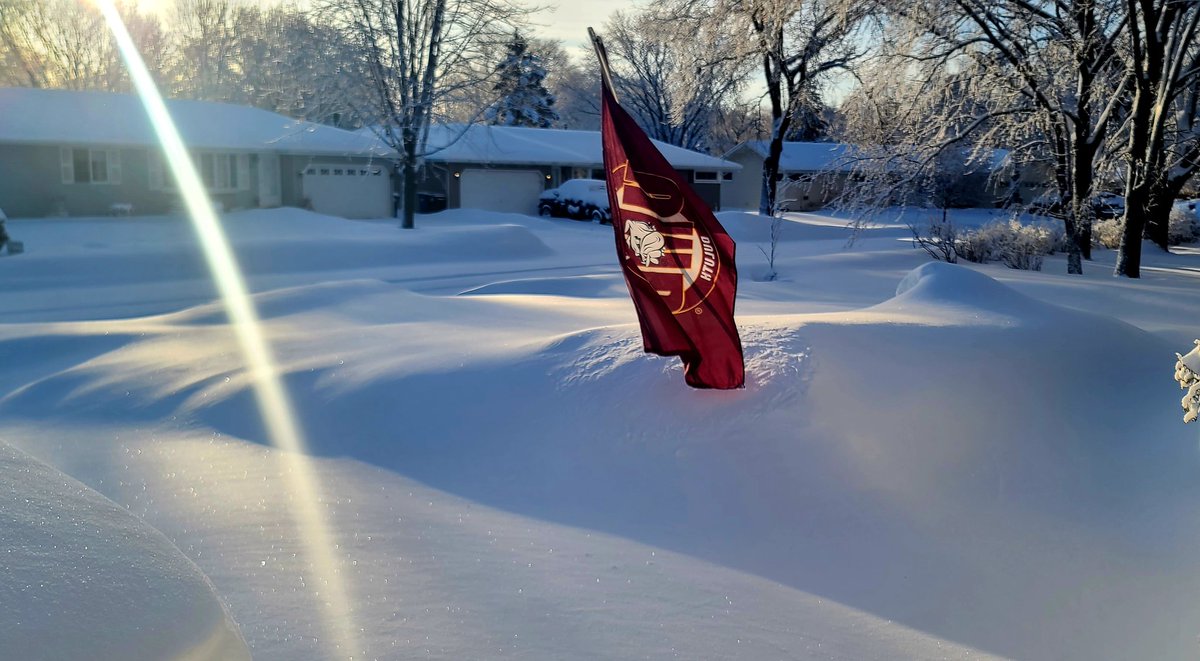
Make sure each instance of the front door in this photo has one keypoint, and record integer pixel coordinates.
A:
(268, 181)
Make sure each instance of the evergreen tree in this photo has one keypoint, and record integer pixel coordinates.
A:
(523, 98)
(808, 119)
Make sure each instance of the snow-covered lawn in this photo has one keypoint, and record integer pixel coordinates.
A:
(989, 463)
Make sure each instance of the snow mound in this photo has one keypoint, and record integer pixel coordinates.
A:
(938, 285)
(83, 578)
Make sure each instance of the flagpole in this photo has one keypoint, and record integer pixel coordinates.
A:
(602, 54)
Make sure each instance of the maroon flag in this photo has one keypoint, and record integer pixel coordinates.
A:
(677, 259)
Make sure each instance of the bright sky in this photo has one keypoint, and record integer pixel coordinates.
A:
(565, 20)
(568, 20)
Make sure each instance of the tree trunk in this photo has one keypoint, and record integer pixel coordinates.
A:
(773, 77)
(770, 178)
(409, 192)
(410, 196)
(1064, 178)
(1081, 204)
(1074, 259)
(1079, 229)
(1137, 193)
(1074, 254)
(1129, 255)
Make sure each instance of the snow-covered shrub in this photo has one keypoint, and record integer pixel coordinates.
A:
(1016, 245)
(1108, 232)
(1022, 246)
(939, 238)
(975, 246)
(1183, 226)
(1059, 239)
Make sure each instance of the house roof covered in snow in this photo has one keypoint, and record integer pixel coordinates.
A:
(514, 145)
(802, 156)
(835, 157)
(67, 117)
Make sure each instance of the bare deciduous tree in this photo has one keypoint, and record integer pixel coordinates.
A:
(1041, 78)
(1162, 150)
(675, 73)
(64, 44)
(411, 57)
(796, 43)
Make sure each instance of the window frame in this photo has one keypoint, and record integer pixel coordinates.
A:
(220, 172)
(73, 159)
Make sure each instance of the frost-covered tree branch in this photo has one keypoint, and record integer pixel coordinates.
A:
(675, 73)
(1013, 72)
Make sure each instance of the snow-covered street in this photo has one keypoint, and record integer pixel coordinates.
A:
(929, 461)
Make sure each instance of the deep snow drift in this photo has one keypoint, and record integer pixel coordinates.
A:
(927, 463)
(83, 578)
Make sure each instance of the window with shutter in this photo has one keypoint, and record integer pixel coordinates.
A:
(222, 165)
(83, 166)
(154, 171)
(89, 166)
(206, 171)
(114, 166)
(243, 172)
(67, 162)
(99, 162)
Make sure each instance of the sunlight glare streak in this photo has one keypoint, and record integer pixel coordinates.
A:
(273, 402)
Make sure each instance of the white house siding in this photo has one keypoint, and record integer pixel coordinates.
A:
(32, 184)
(38, 127)
(807, 191)
(745, 190)
(797, 191)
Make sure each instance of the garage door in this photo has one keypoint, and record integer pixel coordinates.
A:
(349, 191)
(516, 191)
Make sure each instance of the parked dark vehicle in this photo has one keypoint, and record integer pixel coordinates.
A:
(582, 199)
(1105, 205)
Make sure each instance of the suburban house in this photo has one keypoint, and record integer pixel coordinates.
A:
(95, 153)
(812, 174)
(506, 168)
(72, 153)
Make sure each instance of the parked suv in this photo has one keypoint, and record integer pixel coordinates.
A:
(1105, 205)
(584, 199)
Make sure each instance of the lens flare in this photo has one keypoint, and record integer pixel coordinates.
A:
(273, 402)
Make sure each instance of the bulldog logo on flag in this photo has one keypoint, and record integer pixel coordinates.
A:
(692, 271)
